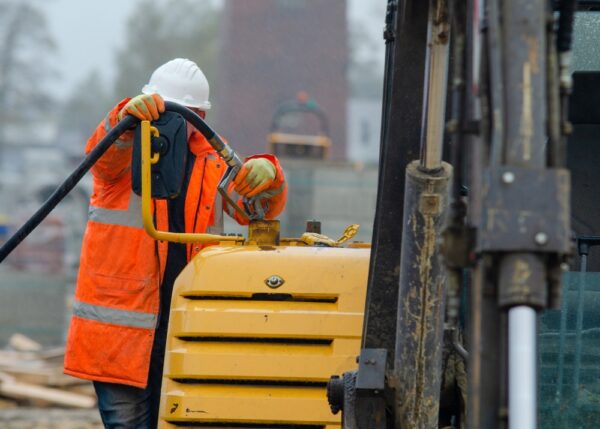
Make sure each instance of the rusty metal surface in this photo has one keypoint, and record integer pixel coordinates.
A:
(524, 223)
(372, 414)
(401, 129)
(483, 401)
(525, 210)
(264, 232)
(405, 34)
(371, 376)
(418, 360)
(524, 68)
(519, 279)
(453, 394)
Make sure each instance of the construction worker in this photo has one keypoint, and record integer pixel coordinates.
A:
(118, 329)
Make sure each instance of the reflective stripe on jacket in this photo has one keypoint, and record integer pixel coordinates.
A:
(116, 303)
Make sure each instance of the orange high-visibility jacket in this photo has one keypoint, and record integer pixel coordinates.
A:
(116, 303)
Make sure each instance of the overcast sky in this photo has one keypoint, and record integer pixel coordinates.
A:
(89, 32)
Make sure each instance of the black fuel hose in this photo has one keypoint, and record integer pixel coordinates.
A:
(66, 187)
(88, 162)
(223, 149)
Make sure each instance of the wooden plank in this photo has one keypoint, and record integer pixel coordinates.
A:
(47, 355)
(7, 403)
(23, 343)
(55, 354)
(38, 376)
(7, 356)
(46, 376)
(18, 390)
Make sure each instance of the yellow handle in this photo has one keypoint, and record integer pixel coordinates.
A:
(313, 239)
(147, 160)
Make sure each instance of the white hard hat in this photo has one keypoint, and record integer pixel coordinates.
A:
(181, 81)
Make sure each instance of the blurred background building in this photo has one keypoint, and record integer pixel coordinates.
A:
(301, 46)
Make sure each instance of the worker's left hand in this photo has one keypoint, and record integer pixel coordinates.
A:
(256, 175)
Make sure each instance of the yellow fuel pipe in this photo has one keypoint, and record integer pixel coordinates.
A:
(147, 160)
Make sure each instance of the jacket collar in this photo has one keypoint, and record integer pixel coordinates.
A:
(198, 144)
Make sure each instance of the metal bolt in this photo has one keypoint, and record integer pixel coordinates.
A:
(452, 126)
(508, 177)
(541, 238)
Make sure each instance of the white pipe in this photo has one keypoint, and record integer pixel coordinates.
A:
(522, 368)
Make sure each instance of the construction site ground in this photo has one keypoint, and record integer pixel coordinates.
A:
(34, 392)
(49, 418)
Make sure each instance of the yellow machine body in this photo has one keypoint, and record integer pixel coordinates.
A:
(256, 331)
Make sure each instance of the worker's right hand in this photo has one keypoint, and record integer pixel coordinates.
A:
(144, 107)
(255, 176)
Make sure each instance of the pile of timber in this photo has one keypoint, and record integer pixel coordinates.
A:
(31, 376)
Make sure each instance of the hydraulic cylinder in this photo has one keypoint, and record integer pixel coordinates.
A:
(418, 362)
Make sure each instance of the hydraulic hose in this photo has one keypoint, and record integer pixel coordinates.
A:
(224, 150)
(66, 187)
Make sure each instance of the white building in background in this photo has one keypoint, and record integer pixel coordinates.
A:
(363, 129)
(28, 155)
(33, 164)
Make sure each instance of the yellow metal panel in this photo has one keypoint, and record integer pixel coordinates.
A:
(339, 347)
(261, 323)
(309, 272)
(247, 404)
(243, 361)
(244, 303)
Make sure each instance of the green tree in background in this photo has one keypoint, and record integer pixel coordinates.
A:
(160, 31)
(84, 108)
(156, 32)
(26, 52)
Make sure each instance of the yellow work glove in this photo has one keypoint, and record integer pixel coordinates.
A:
(144, 107)
(255, 176)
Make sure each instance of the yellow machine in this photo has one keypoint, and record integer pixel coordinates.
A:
(258, 326)
(257, 330)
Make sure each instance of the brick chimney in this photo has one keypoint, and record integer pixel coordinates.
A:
(272, 49)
